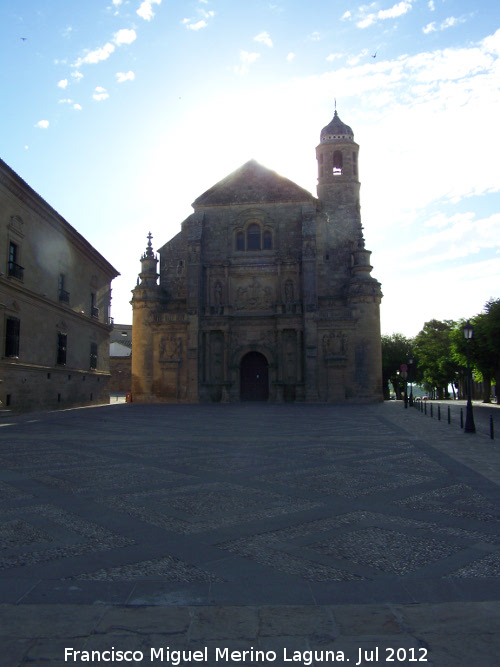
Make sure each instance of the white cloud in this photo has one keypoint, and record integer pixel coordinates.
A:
(314, 36)
(124, 36)
(367, 18)
(333, 56)
(197, 26)
(191, 24)
(125, 76)
(66, 101)
(354, 60)
(77, 75)
(290, 57)
(395, 11)
(246, 60)
(145, 11)
(78, 107)
(43, 124)
(93, 57)
(63, 83)
(460, 237)
(100, 94)
(431, 5)
(450, 22)
(117, 3)
(346, 15)
(264, 38)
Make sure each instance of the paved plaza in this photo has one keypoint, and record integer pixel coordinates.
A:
(357, 533)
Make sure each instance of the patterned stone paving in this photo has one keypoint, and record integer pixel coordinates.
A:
(166, 569)
(312, 499)
(199, 508)
(68, 534)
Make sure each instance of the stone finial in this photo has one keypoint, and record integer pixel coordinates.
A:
(149, 254)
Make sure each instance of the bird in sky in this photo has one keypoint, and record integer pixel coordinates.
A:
(23, 39)
(374, 55)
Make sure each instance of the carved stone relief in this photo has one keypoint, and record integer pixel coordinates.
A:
(171, 348)
(334, 344)
(254, 296)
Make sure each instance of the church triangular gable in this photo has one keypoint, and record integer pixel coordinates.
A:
(253, 183)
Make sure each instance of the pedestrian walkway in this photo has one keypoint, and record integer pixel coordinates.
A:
(218, 528)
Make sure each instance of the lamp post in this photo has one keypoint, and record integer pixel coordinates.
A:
(410, 374)
(404, 375)
(470, 427)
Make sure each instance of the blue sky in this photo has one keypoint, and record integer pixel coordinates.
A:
(121, 113)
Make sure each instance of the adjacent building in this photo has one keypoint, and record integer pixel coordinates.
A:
(55, 292)
(265, 294)
(120, 359)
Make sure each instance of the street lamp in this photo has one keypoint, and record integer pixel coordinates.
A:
(404, 375)
(410, 368)
(470, 427)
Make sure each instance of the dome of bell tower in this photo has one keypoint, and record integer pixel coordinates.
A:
(336, 130)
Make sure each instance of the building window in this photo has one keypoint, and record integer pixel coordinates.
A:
(240, 241)
(267, 240)
(63, 294)
(93, 356)
(12, 329)
(62, 344)
(94, 311)
(337, 163)
(15, 270)
(253, 237)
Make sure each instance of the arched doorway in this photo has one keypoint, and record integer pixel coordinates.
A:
(254, 377)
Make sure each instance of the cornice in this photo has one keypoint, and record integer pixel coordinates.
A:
(25, 194)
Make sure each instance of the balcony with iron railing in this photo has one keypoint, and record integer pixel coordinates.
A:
(94, 312)
(16, 271)
(63, 296)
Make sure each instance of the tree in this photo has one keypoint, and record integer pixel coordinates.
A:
(492, 333)
(484, 345)
(396, 350)
(437, 365)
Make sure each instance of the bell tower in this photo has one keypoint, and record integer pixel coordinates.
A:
(338, 178)
(145, 300)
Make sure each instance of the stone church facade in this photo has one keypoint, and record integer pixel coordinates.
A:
(265, 294)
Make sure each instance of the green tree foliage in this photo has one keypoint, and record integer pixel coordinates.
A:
(492, 334)
(396, 350)
(437, 364)
(484, 347)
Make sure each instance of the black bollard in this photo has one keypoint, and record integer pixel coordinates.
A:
(425, 408)
(439, 413)
(449, 415)
(461, 417)
(431, 411)
(492, 430)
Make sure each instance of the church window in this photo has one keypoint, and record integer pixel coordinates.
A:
(14, 269)
(62, 345)
(337, 163)
(240, 241)
(253, 237)
(267, 240)
(12, 328)
(93, 356)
